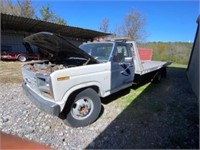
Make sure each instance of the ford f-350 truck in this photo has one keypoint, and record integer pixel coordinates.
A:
(71, 83)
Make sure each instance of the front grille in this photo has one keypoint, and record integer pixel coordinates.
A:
(30, 78)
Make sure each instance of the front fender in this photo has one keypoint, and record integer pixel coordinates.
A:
(81, 86)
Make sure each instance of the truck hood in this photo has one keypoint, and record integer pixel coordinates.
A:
(57, 45)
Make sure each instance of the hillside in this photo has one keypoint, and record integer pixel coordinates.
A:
(177, 52)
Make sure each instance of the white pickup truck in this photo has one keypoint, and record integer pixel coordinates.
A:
(71, 82)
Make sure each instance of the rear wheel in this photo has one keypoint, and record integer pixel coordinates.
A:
(85, 109)
(157, 78)
(22, 58)
(164, 72)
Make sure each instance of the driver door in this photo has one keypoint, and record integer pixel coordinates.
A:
(122, 71)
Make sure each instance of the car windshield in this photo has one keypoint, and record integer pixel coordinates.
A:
(100, 51)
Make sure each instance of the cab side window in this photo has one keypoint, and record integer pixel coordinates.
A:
(120, 53)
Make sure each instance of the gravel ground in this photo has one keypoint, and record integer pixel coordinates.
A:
(163, 116)
(22, 118)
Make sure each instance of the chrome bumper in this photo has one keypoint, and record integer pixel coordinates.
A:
(44, 105)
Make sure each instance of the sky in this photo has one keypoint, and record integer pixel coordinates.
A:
(167, 21)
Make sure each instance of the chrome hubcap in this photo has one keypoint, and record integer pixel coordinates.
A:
(82, 108)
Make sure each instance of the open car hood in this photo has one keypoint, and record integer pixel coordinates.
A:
(57, 45)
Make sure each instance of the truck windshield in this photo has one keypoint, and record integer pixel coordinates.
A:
(100, 51)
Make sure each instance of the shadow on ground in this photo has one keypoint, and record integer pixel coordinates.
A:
(165, 115)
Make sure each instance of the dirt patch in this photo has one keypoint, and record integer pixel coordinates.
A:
(10, 72)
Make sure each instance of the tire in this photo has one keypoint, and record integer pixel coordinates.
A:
(22, 58)
(164, 72)
(84, 109)
(157, 78)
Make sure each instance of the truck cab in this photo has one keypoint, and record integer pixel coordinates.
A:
(119, 55)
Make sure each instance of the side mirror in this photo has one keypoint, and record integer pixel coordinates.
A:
(128, 59)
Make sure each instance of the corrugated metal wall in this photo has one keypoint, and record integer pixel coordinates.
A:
(13, 40)
(14, 29)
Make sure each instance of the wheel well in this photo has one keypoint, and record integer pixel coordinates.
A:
(95, 88)
(70, 99)
(20, 55)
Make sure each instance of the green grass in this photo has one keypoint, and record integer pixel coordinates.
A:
(126, 100)
(175, 65)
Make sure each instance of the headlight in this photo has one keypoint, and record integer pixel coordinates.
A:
(42, 82)
(44, 86)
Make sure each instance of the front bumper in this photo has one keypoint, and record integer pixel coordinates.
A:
(44, 105)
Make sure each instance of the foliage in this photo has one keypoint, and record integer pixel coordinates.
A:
(20, 8)
(104, 25)
(176, 52)
(48, 15)
(133, 26)
(24, 8)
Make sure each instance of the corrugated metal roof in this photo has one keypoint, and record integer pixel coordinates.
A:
(17, 23)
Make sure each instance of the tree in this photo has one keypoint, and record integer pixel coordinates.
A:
(104, 25)
(133, 26)
(6, 7)
(60, 20)
(24, 8)
(19, 8)
(48, 15)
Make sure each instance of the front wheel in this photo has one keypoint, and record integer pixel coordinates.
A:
(22, 58)
(84, 109)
